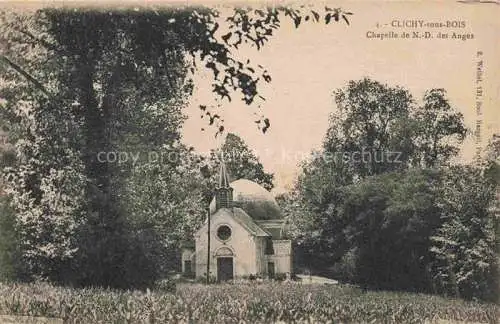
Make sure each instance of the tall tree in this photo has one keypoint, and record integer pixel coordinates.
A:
(388, 220)
(439, 129)
(350, 193)
(492, 158)
(371, 127)
(378, 129)
(9, 240)
(241, 162)
(465, 246)
(71, 89)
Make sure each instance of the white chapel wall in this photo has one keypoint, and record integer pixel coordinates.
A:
(282, 256)
(241, 243)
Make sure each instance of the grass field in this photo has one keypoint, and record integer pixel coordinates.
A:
(246, 303)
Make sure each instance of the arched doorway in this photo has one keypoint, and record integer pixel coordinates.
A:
(225, 264)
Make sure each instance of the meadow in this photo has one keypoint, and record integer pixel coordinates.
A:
(245, 303)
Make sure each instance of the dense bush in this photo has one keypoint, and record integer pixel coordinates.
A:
(203, 279)
(264, 303)
(421, 230)
(7, 241)
(416, 223)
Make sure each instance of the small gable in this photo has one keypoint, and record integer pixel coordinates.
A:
(240, 217)
(246, 221)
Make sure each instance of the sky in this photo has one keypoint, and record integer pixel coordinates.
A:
(307, 64)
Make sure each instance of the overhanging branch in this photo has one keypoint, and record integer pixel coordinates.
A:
(25, 74)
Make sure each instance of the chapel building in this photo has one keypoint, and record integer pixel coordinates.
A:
(247, 235)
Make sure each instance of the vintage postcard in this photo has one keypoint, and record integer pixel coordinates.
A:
(249, 162)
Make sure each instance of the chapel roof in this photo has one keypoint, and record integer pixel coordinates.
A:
(246, 221)
(254, 199)
(242, 218)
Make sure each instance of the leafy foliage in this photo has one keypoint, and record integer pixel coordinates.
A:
(380, 128)
(241, 162)
(439, 130)
(465, 260)
(254, 303)
(9, 251)
(73, 94)
(372, 117)
(415, 223)
(492, 161)
(9, 241)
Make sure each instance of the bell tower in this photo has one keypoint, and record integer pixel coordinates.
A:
(223, 192)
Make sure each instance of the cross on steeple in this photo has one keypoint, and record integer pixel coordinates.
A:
(223, 177)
